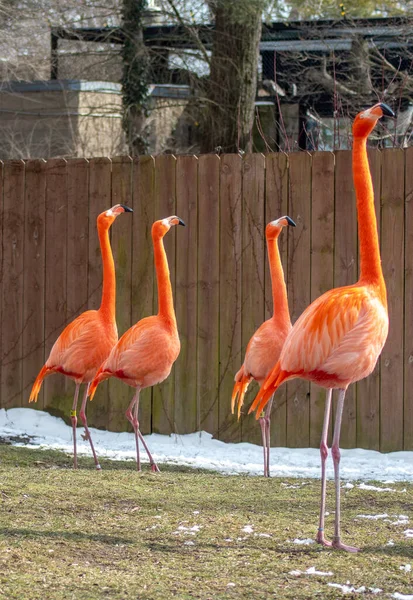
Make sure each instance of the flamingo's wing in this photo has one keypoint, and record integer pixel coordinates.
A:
(83, 345)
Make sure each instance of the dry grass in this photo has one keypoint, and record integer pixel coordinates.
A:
(118, 534)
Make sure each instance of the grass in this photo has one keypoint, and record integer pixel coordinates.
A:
(118, 534)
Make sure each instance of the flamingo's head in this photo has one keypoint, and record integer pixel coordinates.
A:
(273, 229)
(366, 120)
(108, 216)
(161, 227)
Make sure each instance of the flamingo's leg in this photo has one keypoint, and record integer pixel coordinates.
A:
(267, 419)
(264, 443)
(132, 416)
(87, 435)
(154, 466)
(73, 417)
(335, 451)
(324, 454)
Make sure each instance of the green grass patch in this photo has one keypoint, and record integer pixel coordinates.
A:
(179, 534)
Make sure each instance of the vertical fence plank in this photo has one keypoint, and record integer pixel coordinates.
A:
(186, 415)
(408, 302)
(392, 238)
(142, 263)
(229, 290)
(33, 278)
(368, 389)
(100, 197)
(299, 273)
(12, 297)
(208, 292)
(276, 205)
(253, 264)
(345, 267)
(55, 398)
(77, 242)
(121, 239)
(322, 261)
(165, 202)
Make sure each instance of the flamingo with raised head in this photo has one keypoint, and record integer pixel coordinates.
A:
(87, 341)
(264, 348)
(339, 337)
(146, 352)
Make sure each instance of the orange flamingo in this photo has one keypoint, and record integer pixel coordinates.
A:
(264, 348)
(146, 352)
(87, 341)
(339, 337)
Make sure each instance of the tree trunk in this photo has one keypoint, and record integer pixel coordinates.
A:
(135, 76)
(231, 90)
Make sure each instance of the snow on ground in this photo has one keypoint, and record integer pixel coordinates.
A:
(40, 430)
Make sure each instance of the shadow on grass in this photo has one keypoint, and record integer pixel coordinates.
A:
(399, 549)
(66, 535)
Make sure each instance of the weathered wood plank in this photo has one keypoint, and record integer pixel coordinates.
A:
(12, 279)
(299, 273)
(142, 263)
(186, 414)
(208, 292)
(230, 290)
(77, 242)
(408, 303)
(34, 276)
(276, 205)
(322, 262)
(55, 397)
(368, 389)
(121, 238)
(392, 243)
(346, 268)
(100, 199)
(253, 265)
(1, 269)
(165, 203)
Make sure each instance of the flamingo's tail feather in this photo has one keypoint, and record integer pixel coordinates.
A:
(239, 391)
(270, 385)
(44, 372)
(100, 376)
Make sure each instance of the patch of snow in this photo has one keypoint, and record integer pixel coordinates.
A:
(350, 589)
(189, 543)
(373, 488)
(305, 542)
(402, 596)
(348, 486)
(266, 535)
(408, 533)
(230, 584)
(407, 568)
(373, 517)
(199, 450)
(390, 543)
(248, 529)
(401, 520)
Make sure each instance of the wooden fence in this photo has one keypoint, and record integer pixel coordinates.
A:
(51, 271)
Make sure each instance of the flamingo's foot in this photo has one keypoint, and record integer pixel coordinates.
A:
(320, 539)
(340, 546)
(154, 468)
(85, 436)
(98, 467)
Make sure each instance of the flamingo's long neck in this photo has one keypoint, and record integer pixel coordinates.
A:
(165, 298)
(370, 262)
(108, 303)
(281, 313)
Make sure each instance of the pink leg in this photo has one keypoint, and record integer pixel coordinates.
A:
(132, 416)
(324, 454)
(267, 419)
(74, 424)
(335, 451)
(154, 466)
(87, 435)
(264, 444)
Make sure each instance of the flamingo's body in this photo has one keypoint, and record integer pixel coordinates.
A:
(146, 352)
(339, 337)
(264, 348)
(87, 341)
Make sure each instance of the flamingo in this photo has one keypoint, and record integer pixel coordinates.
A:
(87, 341)
(145, 353)
(264, 348)
(339, 337)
